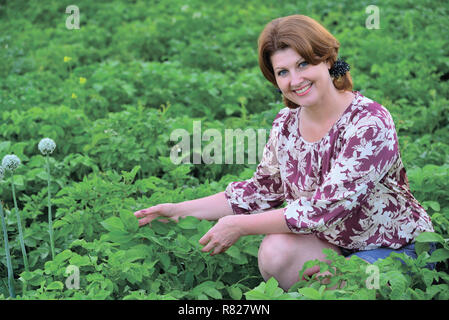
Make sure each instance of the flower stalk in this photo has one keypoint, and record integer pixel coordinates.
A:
(11, 162)
(46, 147)
(8, 256)
(19, 226)
(50, 219)
(12, 293)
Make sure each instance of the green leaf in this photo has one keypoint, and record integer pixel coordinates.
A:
(64, 255)
(165, 260)
(430, 237)
(80, 261)
(234, 252)
(188, 222)
(160, 227)
(235, 292)
(271, 286)
(213, 293)
(432, 204)
(136, 253)
(113, 224)
(421, 247)
(428, 276)
(129, 176)
(310, 293)
(173, 270)
(55, 285)
(118, 237)
(256, 295)
(129, 221)
(204, 226)
(439, 255)
(398, 284)
(19, 180)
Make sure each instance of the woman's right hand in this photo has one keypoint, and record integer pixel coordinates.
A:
(161, 210)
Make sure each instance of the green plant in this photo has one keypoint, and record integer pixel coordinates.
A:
(12, 293)
(46, 147)
(11, 163)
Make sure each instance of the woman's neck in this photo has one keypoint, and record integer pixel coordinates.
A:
(330, 108)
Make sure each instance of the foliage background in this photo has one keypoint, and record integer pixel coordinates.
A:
(151, 67)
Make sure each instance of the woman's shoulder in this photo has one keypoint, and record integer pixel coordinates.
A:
(368, 112)
(282, 116)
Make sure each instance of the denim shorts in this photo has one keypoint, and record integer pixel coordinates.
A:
(372, 256)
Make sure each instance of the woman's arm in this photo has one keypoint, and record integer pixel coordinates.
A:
(211, 207)
(268, 222)
(230, 228)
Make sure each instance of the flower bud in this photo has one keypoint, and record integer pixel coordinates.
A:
(10, 162)
(46, 146)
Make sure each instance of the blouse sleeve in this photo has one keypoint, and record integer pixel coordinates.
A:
(369, 151)
(264, 190)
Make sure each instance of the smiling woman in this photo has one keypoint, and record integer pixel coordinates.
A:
(309, 40)
(332, 155)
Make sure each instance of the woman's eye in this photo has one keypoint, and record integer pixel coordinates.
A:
(300, 65)
(282, 73)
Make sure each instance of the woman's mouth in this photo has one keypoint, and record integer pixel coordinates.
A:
(303, 90)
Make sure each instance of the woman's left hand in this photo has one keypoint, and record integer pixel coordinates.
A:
(222, 235)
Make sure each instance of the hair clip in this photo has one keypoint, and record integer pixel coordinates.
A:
(339, 68)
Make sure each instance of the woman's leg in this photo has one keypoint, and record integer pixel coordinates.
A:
(282, 256)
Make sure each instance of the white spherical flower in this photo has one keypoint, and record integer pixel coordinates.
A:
(46, 146)
(10, 162)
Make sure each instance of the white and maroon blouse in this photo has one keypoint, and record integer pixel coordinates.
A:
(350, 188)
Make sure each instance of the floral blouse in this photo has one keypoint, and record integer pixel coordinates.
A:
(350, 188)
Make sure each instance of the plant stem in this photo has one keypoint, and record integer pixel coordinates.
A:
(50, 220)
(12, 294)
(19, 224)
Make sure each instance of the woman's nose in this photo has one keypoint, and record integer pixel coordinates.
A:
(296, 79)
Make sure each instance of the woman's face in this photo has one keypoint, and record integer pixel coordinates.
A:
(300, 82)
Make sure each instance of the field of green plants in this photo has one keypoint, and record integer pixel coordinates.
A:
(110, 93)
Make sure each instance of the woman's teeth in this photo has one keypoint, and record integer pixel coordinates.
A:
(303, 90)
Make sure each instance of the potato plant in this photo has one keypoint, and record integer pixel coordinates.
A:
(110, 93)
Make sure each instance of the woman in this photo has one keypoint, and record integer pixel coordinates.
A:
(332, 155)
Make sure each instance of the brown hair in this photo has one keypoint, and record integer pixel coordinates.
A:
(305, 35)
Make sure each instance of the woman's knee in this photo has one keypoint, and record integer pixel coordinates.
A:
(279, 252)
(275, 252)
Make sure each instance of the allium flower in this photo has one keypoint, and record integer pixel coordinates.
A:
(46, 146)
(10, 162)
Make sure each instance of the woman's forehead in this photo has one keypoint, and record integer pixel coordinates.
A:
(285, 56)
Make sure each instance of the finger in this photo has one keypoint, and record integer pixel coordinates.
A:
(209, 246)
(205, 239)
(140, 213)
(147, 211)
(218, 249)
(146, 220)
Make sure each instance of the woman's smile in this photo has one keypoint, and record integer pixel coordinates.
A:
(303, 90)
